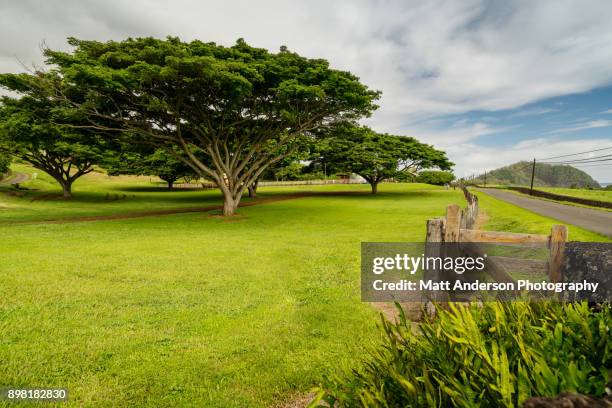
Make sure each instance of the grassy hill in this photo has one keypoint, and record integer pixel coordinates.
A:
(546, 175)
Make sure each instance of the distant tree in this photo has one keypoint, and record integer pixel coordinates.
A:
(158, 162)
(30, 131)
(375, 156)
(438, 178)
(242, 107)
(287, 168)
(5, 163)
(405, 177)
(291, 171)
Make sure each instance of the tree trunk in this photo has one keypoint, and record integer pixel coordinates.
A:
(253, 189)
(229, 205)
(67, 188)
(374, 187)
(170, 184)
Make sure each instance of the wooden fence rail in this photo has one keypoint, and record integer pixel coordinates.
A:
(457, 227)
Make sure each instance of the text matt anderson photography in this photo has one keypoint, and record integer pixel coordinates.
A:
(315, 204)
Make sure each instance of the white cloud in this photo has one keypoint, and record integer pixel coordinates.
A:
(592, 124)
(534, 112)
(429, 58)
(459, 132)
(609, 111)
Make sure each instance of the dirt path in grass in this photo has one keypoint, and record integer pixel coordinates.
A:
(172, 211)
(16, 178)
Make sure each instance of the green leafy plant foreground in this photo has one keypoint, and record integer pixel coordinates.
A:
(499, 354)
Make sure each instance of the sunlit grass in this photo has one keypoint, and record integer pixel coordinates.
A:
(196, 309)
(599, 195)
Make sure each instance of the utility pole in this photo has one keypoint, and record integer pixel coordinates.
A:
(532, 176)
(485, 178)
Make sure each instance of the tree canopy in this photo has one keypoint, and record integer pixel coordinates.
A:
(150, 162)
(438, 178)
(30, 131)
(376, 156)
(241, 108)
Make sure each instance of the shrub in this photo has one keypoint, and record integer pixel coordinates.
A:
(491, 356)
(405, 177)
(5, 162)
(438, 178)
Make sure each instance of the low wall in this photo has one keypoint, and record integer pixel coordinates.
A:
(559, 197)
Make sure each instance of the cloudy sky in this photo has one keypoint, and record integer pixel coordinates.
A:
(491, 82)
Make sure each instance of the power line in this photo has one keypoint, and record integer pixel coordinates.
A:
(578, 163)
(579, 160)
(592, 165)
(575, 154)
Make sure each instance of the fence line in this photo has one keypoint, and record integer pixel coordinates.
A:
(210, 185)
(470, 215)
(458, 227)
(308, 182)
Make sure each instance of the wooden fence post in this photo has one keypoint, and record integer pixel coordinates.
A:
(435, 230)
(433, 240)
(558, 237)
(473, 206)
(453, 223)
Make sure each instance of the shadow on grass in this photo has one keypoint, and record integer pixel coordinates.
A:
(354, 194)
(158, 189)
(145, 196)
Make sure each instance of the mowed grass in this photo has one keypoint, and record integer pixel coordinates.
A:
(599, 195)
(95, 194)
(194, 309)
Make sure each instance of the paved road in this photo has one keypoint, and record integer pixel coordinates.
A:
(593, 220)
(16, 178)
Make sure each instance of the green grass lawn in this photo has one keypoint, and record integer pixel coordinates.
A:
(94, 194)
(599, 195)
(195, 309)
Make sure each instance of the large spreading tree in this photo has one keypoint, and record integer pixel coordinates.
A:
(234, 111)
(30, 130)
(376, 156)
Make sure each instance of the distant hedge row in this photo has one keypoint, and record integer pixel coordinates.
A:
(559, 197)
